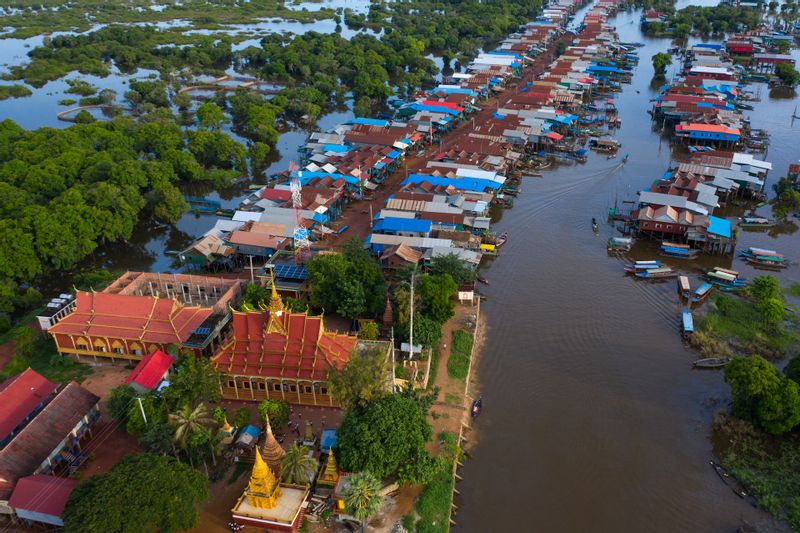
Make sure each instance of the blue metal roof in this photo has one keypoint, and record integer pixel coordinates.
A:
(434, 109)
(304, 176)
(394, 154)
(454, 90)
(403, 224)
(719, 226)
(368, 121)
(463, 184)
(501, 53)
(340, 148)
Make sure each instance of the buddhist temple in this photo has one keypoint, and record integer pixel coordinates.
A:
(268, 504)
(272, 451)
(141, 313)
(279, 354)
(330, 474)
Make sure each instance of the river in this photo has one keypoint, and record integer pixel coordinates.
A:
(593, 419)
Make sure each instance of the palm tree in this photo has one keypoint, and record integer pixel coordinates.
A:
(188, 421)
(297, 466)
(363, 497)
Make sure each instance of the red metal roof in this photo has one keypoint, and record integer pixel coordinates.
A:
(278, 195)
(19, 396)
(127, 316)
(151, 368)
(711, 128)
(47, 495)
(305, 351)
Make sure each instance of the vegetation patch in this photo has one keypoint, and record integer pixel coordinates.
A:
(14, 91)
(768, 466)
(754, 324)
(36, 350)
(460, 351)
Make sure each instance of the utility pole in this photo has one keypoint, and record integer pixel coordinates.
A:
(394, 376)
(142, 409)
(411, 325)
(252, 276)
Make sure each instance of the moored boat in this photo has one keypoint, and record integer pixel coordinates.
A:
(679, 251)
(728, 280)
(772, 263)
(656, 273)
(711, 362)
(501, 240)
(684, 288)
(701, 293)
(756, 222)
(641, 266)
(687, 323)
(477, 405)
(620, 244)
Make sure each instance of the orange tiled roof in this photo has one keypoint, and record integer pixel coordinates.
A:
(147, 318)
(304, 351)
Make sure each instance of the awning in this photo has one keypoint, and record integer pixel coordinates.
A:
(555, 136)
(369, 185)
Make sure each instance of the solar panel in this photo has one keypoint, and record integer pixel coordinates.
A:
(202, 331)
(291, 272)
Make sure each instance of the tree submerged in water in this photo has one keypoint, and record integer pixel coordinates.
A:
(661, 61)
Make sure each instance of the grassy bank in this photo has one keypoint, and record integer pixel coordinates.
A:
(734, 324)
(460, 352)
(433, 505)
(36, 350)
(768, 466)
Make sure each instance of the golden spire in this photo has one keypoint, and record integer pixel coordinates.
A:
(275, 322)
(226, 427)
(263, 490)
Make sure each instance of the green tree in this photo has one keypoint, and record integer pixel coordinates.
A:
(772, 311)
(369, 331)
(792, 370)
(382, 436)
(194, 380)
(158, 438)
(241, 417)
(140, 493)
(297, 466)
(188, 421)
(421, 470)
(362, 499)
(210, 116)
(277, 410)
(765, 287)
(436, 296)
(363, 379)
(762, 396)
(788, 75)
(661, 61)
(453, 265)
(119, 402)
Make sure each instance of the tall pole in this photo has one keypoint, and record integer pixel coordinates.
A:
(411, 328)
(142, 409)
(252, 276)
(394, 376)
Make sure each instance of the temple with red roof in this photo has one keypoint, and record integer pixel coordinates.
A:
(275, 353)
(141, 313)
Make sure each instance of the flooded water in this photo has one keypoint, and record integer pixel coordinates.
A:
(593, 420)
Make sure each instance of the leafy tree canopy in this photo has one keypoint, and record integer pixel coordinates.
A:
(140, 493)
(362, 380)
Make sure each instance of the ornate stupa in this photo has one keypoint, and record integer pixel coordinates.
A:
(331, 472)
(226, 432)
(272, 451)
(269, 504)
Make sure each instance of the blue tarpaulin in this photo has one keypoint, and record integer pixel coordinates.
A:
(394, 154)
(339, 148)
(719, 226)
(463, 184)
(395, 224)
(498, 116)
(304, 176)
(369, 121)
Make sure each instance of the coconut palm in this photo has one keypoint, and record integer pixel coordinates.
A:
(297, 466)
(187, 421)
(363, 497)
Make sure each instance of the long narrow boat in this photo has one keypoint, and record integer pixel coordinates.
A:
(762, 261)
(711, 362)
(687, 323)
(678, 252)
(641, 266)
(684, 288)
(656, 273)
(753, 251)
(756, 222)
(702, 293)
(620, 244)
(728, 280)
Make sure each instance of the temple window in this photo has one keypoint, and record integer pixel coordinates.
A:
(293, 388)
(117, 347)
(308, 389)
(99, 346)
(324, 390)
(231, 384)
(245, 384)
(262, 385)
(136, 348)
(82, 344)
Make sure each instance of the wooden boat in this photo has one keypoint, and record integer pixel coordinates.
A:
(726, 279)
(657, 273)
(482, 280)
(678, 251)
(641, 266)
(753, 252)
(684, 288)
(701, 293)
(711, 362)
(620, 244)
(756, 222)
(477, 405)
(772, 263)
(501, 240)
(687, 323)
